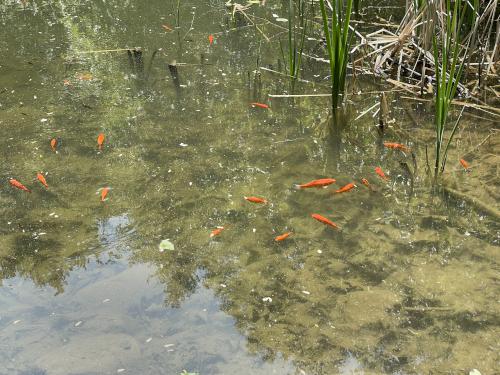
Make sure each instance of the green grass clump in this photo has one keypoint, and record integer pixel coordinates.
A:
(297, 26)
(449, 70)
(338, 38)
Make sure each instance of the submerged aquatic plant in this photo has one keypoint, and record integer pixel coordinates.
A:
(296, 38)
(448, 73)
(338, 39)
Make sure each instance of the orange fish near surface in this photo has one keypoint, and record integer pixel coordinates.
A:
(18, 185)
(464, 164)
(256, 200)
(381, 173)
(216, 232)
(282, 237)
(53, 144)
(104, 193)
(211, 39)
(396, 146)
(167, 28)
(316, 183)
(42, 180)
(260, 105)
(346, 188)
(100, 140)
(325, 221)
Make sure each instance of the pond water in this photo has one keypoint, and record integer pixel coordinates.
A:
(409, 284)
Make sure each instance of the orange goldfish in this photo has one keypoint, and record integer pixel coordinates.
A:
(53, 144)
(367, 184)
(260, 105)
(346, 188)
(256, 200)
(42, 180)
(396, 146)
(100, 140)
(381, 173)
(104, 193)
(283, 237)
(211, 39)
(325, 221)
(66, 82)
(167, 28)
(18, 185)
(316, 183)
(464, 164)
(216, 231)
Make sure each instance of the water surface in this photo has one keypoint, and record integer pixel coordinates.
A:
(409, 285)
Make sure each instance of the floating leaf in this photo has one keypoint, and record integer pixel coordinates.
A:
(166, 245)
(184, 372)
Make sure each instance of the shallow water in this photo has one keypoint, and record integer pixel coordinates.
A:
(409, 284)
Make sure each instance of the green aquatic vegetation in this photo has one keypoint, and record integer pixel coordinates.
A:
(338, 38)
(449, 70)
(297, 26)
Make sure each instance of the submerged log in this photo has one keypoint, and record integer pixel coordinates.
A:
(481, 206)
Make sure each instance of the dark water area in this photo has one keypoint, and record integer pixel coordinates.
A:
(408, 285)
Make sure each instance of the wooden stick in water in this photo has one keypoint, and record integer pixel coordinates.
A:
(297, 95)
(109, 50)
(175, 74)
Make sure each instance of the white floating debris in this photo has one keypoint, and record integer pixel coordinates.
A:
(149, 340)
(120, 370)
(106, 300)
(223, 285)
(306, 292)
(320, 252)
(15, 322)
(79, 323)
(52, 214)
(44, 120)
(281, 20)
(168, 345)
(183, 144)
(267, 299)
(474, 372)
(254, 230)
